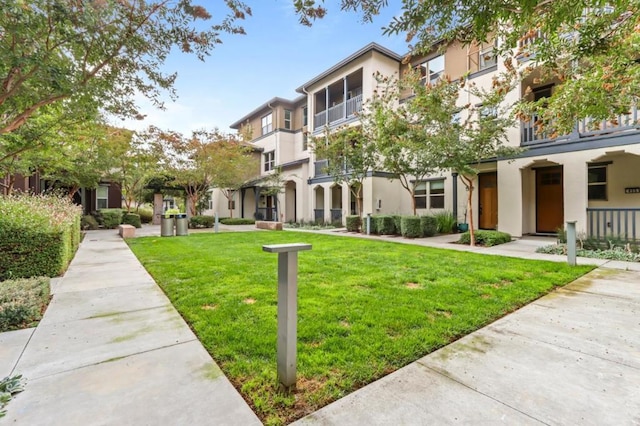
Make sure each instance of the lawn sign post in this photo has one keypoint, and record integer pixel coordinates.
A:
(287, 309)
(571, 243)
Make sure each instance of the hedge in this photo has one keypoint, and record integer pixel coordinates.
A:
(486, 238)
(397, 223)
(22, 302)
(111, 218)
(429, 226)
(237, 221)
(354, 223)
(89, 222)
(411, 226)
(201, 221)
(146, 215)
(132, 219)
(384, 225)
(38, 235)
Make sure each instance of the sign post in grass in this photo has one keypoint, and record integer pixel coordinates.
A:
(287, 309)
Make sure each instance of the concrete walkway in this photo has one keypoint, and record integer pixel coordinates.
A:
(111, 349)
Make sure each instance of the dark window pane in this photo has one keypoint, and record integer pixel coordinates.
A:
(421, 202)
(597, 192)
(597, 174)
(437, 201)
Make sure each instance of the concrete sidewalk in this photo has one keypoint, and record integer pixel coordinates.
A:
(111, 349)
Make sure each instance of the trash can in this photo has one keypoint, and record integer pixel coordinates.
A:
(182, 225)
(166, 226)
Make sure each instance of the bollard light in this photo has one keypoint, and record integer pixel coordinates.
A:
(571, 243)
(215, 226)
(287, 309)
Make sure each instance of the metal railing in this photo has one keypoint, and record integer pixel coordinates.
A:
(318, 215)
(336, 215)
(614, 223)
(267, 213)
(338, 112)
(319, 168)
(354, 105)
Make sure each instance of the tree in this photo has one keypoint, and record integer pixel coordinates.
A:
(98, 53)
(273, 186)
(589, 48)
(350, 156)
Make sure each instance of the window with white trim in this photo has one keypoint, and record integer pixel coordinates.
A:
(267, 123)
(487, 57)
(597, 182)
(305, 116)
(429, 194)
(269, 161)
(287, 119)
(432, 70)
(102, 197)
(305, 141)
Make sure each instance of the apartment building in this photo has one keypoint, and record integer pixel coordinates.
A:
(589, 176)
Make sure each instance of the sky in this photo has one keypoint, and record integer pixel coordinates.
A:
(276, 56)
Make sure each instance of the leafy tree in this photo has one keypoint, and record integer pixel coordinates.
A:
(97, 53)
(588, 48)
(273, 186)
(350, 156)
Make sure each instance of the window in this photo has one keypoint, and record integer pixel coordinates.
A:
(102, 197)
(487, 57)
(287, 119)
(305, 141)
(597, 182)
(269, 161)
(305, 116)
(432, 70)
(267, 123)
(433, 191)
(231, 205)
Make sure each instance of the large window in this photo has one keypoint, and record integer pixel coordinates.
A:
(305, 116)
(487, 57)
(287, 119)
(305, 141)
(102, 197)
(267, 123)
(269, 161)
(430, 194)
(597, 182)
(432, 70)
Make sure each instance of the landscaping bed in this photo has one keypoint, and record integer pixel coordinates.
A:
(366, 308)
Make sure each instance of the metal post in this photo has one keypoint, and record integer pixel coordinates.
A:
(571, 242)
(287, 310)
(368, 223)
(215, 226)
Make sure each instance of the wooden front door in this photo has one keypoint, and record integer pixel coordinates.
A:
(488, 200)
(549, 199)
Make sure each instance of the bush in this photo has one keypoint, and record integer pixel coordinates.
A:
(237, 221)
(429, 226)
(131, 219)
(397, 224)
(446, 222)
(89, 222)
(385, 225)
(486, 238)
(111, 218)
(201, 221)
(22, 302)
(354, 223)
(171, 212)
(410, 227)
(38, 235)
(146, 215)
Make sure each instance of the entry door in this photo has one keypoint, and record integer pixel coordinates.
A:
(270, 204)
(549, 199)
(488, 200)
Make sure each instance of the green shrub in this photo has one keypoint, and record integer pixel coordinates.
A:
(146, 215)
(22, 302)
(410, 227)
(385, 225)
(38, 235)
(486, 238)
(397, 224)
(354, 223)
(446, 222)
(111, 218)
(201, 221)
(89, 223)
(429, 225)
(131, 219)
(237, 221)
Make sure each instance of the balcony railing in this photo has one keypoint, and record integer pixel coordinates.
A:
(614, 223)
(318, 215)
(336, 215)
(319, 168)
(338, 112)
(584, 128)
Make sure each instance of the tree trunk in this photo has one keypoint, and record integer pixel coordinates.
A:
(468, 182)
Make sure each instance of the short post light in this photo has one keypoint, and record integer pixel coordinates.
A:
(215, 226)
(368, 223)
(287, 310)
(571, 242)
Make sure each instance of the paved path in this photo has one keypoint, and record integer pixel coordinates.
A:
(112, 350)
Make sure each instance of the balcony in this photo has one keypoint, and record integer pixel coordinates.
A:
(584, 128)
(320, 168)
(338, 113)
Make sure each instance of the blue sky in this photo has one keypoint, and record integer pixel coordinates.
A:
(275, 57)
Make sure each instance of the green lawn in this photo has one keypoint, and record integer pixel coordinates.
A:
(366, 308)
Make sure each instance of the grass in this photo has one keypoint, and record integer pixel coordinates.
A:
(366, 308)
